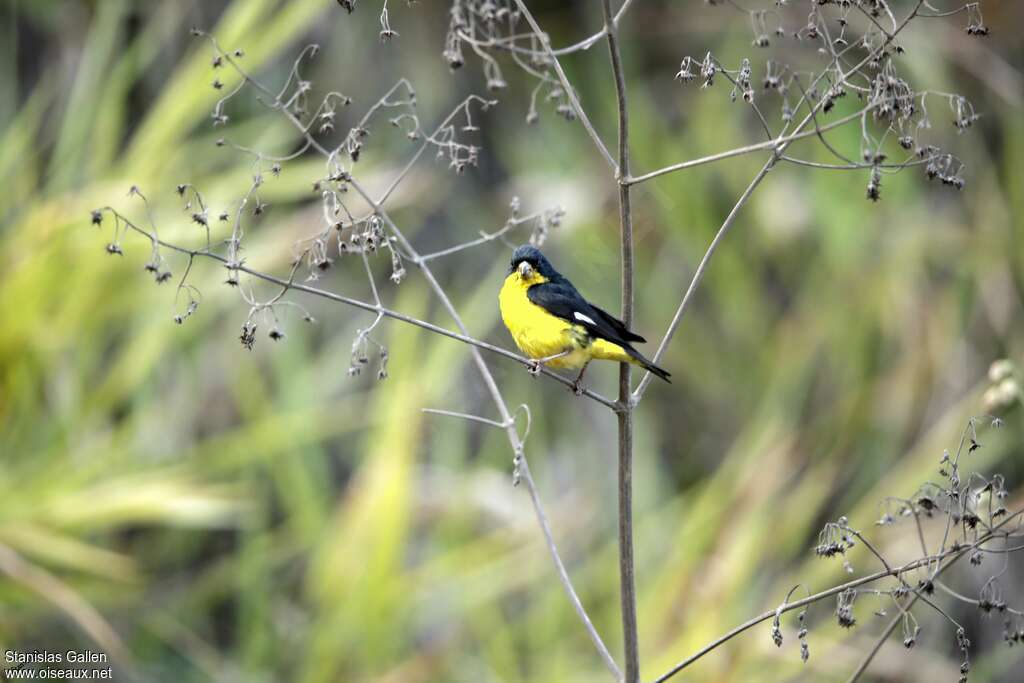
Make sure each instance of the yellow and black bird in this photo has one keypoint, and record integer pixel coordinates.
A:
(554, 325)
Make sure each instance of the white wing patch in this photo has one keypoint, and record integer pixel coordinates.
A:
(584, 318)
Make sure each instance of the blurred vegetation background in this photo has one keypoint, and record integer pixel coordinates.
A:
(203, 513)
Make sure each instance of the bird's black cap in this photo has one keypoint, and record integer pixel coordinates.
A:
(532, 255)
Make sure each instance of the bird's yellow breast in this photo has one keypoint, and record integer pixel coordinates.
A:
(540, 334)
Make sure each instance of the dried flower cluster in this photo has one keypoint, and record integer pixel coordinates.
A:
(345, 232)
(861, 59)
(972, 515)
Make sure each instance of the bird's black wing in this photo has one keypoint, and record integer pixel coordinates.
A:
(561, 299)
(618, 325)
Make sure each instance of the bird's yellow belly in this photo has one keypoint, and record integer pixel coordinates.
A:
(540, 334)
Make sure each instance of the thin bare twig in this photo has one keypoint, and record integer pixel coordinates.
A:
(746, 149)
(566, 85)
(698, 275)
(357, 303)
(465, 416)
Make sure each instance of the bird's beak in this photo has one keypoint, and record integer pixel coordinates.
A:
(525, 270)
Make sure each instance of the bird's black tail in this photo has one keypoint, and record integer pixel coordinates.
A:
(647, 365)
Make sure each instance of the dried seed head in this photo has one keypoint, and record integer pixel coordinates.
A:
(844, 608)
(248, 336)
(874, 191)
(685, 74)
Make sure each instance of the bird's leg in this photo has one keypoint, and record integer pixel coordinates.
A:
(576, 387)
(535, 364)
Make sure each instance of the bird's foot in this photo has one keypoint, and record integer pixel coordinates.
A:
(533, 368)
(577, 385)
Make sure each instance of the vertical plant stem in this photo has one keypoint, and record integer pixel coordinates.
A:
(627, 587)
(627, 581)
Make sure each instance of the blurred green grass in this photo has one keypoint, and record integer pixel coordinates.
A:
(264, 516)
